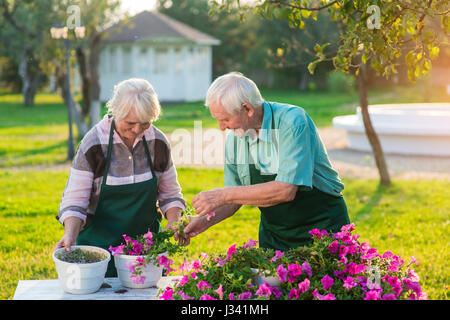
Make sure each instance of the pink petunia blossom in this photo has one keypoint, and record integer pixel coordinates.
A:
(207, 297)
(372, 295)
(293, 294)
(327, 282)
(230, 251)
(219, 291)
(318, 296)
(264, 290)
(278, 254)
(245, 295)
(184, 296)
(349, 283)
(167, 294)
(138, 279)
(348, 228)
(319, 234)
(202, 285)
(294, 271)
(333, 247)
(306, 268)
(196, 264)
(282, 273)
(303, 286)
(210, 215)
(389, 296)
(250, 244)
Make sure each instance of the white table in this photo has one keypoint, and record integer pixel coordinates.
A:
(113, 290)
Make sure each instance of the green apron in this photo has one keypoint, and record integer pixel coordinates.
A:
(286, 225)
(122, 209)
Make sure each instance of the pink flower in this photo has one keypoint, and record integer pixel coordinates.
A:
(389, 296)
(348, 228)
(183, 280)
(373, 295)
(333, 247)
(167, 295)
(264, 290)
(293, 294)
(328, 296)
(349, 283)
(210, 215)
(303, 286)
(354, 268)
(230, 251)
(327, 282)
(414, 260)
(202, 285)
(127, 238)
(148, 235)
(294, 271)
(138, 279)
(185, 267)
(184, 296)
(318, 234)
(250, 244)
(219, 291)
(207, 297)
(204, 255)
(117, 250)
(220, 262)
(278, 254)
(231, 296)
(282, 273)
(196, 264)
(306, 268)
(245, 295)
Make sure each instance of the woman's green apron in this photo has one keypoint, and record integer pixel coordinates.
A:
(286, 225)
(122, 209)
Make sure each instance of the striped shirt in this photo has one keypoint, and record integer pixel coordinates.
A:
(81, 194)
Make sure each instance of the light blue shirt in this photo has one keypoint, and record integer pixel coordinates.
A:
(293, 151)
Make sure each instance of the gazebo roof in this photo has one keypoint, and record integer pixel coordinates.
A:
(149, 25)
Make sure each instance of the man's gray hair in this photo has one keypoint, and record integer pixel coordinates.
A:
(232, 90)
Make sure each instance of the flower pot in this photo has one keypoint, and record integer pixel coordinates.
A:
(81, 278)
(151, 272)
(260, 278)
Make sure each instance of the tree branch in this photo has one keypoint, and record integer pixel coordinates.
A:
(302, 8)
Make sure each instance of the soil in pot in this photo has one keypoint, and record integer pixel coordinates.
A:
(81, 256)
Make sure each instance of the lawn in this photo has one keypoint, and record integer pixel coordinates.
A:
(410, 219)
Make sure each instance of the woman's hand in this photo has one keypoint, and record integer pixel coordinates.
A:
(208, 201)
(196, 226)
(72, 227)
(66, 242)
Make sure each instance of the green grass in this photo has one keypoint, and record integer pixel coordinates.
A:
(410, 218)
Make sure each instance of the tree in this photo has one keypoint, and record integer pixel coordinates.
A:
(375, 34)
(22, 33)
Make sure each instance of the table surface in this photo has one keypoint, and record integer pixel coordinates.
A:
(110, 290)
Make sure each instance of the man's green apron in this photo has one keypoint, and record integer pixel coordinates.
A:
(122, 209)
(286, 225)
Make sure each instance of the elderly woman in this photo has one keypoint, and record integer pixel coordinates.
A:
(121, 174)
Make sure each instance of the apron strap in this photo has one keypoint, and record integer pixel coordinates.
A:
(108, 155)
(148, 157)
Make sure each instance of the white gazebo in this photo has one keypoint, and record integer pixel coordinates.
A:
(175, 58)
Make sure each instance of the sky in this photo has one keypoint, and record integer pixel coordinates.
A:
(135, 6)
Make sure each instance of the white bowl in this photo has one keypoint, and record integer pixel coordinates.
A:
(151, 272)
(260, 278)
(81, 278)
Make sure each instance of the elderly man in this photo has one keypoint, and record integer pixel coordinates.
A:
(275, 160)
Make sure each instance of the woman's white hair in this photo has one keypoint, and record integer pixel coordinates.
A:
(138, 94)
(232, 90)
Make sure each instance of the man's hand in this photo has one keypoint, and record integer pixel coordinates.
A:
(208, 201)
(196, 226)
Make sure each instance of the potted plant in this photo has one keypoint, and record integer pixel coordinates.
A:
(82, 269)
(140, 261)
(336, 266)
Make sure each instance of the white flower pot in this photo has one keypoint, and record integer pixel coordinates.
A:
(260, 278)
(81, 278)
(151, 272)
